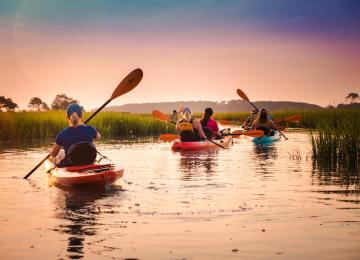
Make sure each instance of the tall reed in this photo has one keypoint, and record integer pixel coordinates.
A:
(39, 125)
(336, 144)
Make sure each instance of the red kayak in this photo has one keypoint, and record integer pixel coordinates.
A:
(93, 174)
(201, 145)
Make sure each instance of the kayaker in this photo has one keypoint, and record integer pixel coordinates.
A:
(209, 125)
(250, 119)
(174, 116)
(76, 140)
(189, 127)
(262, 122)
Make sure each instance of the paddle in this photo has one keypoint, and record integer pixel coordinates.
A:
(126, 85)
(294, 118)
(252, 133)
(168, 137)
(162, 117)
(236, 133)
(243, 96)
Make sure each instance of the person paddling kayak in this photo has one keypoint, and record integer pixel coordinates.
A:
(174, 116)
(263, 122)
(76, 140)
(189, 127)
(250, 119)
(209, 125)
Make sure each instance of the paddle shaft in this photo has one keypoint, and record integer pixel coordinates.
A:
(47, 157)
(97, 111)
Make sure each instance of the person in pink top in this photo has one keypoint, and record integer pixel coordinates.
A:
(209, 125)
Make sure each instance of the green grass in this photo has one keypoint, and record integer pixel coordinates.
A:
(40, 125)
(336, 144)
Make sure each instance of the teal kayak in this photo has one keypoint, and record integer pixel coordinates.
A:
(267, 139)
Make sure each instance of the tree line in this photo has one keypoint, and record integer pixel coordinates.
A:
(60, 102)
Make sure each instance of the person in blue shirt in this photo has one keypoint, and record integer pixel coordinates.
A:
(75, 136)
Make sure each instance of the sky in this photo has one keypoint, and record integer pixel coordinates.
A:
(278, 50)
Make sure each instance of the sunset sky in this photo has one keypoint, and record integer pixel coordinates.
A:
(289, 50)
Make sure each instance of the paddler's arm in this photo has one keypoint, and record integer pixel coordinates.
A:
(98, 136)
(272, 125)
(55, 150)
(198, 127)
(247, 122)
(177, 126)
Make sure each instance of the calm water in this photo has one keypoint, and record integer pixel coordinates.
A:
(244, 202)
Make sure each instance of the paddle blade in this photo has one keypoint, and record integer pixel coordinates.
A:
(242, 95)
(168, 137)
(295, 119)
(128, 83)
(160, 116)
(227, 122)
(252, 133)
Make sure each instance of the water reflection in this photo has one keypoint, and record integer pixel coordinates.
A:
(265, 151)
(80, 208)
(193, 163)
(325, 175)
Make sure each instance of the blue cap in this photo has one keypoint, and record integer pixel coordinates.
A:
(186, 109)
(74, 108)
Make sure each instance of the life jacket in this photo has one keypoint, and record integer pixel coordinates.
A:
(187, 131)
(82, 153)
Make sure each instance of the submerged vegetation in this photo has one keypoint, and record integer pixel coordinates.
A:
(39, 125)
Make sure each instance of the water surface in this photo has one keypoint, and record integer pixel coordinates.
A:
(254, 202)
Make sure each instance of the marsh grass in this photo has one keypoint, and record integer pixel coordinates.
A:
(336, 142)
(39, 125)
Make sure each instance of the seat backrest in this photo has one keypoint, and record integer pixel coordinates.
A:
(81, 153)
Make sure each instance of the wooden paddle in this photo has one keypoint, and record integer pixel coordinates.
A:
(162, 117)
(244, 96)
(126, 85)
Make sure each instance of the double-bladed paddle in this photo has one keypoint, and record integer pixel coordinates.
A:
(126, 85)
(294, 118)
(245, 97)
(236, 133)
(162, 117)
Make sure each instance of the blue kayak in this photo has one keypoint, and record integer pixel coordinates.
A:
(267, 139)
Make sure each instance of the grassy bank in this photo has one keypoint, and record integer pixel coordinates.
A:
(40, 125)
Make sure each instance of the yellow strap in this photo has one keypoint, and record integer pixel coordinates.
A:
(186, 126)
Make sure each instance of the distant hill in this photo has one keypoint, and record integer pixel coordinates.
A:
(349, 106)
(199, 106)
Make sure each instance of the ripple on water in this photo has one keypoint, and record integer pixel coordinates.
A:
(247, 201)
